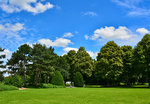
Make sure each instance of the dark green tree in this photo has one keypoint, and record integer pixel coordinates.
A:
(20, 60)
(2, 56)
(71, 58)
(109, 63)
(58, 79)
(63, 66)
(84, 63)
(128, 71)
(44, 63)
(142, 57)
(78, 79)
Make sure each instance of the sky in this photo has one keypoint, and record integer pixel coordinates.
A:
(69, 24)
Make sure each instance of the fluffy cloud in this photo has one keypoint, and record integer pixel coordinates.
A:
(59, 42)
(68, 35)
(33, 6)
(142, 31)
(89, 13)
(67, 49)
(122, 33)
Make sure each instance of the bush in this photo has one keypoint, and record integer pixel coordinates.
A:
(78, 79)
(57, 79)
(51, 86)
(14, 80)
(4, 87)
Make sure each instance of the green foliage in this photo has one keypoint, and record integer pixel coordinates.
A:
(109, 62)
(65, 74)
(84, 63)
(78, 79)
(14, 80)
(128, 71)
(19, 61)
(142, 57)
(71, 59)
(1, 76)
(4, 87)
(58, 79)
(79, 62)
(2, 56)
(51, 86)
(44, 63)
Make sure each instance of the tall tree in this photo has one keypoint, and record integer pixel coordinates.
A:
(71, 58)
(2, 56)
(127, 64)
(63, 66)
(84, 63)
(44, 63)
(142, 56)
(109, 62)
(19, 61)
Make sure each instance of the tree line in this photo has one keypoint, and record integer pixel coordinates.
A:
(113, 65)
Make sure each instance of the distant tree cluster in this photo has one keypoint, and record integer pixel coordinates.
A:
(112, 66)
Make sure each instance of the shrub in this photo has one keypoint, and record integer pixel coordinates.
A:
(4, 87)
(78, 79)
(51, 86)
(57, 79)
(14, 80)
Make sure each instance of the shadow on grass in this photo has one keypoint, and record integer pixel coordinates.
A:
(120, 86)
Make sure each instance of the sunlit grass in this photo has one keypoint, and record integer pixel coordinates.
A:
(77, 96)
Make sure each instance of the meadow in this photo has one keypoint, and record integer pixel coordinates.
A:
(77, 96)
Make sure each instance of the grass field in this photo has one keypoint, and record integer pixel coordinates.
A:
(77, 96)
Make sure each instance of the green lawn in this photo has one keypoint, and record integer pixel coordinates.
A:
(77, 96)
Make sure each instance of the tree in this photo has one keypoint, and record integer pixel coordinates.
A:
(2, 56)
(44, 63)
(19, 61)
(109, 63)
(84, 63)
(63, 66)
(71, 59)
(127, 64)
(78, 79)
(58, 79)
(142, 56)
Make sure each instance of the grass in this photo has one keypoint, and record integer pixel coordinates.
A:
(77, 96)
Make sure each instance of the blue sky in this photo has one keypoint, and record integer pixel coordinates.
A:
(69, 24)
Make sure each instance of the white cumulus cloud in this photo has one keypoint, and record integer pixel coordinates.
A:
(142, 31)
(33, 6)
(121, 32)
(59, 42)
